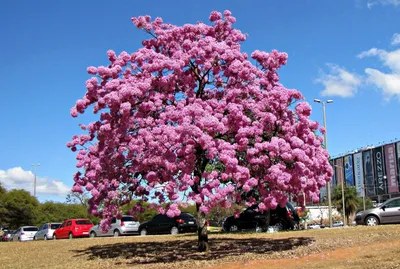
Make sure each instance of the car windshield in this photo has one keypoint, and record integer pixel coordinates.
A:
(186, 216)
(55, 226)
(30, 229)
(127, 218)
(83, 222)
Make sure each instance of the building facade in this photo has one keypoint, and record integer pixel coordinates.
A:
(374, 171)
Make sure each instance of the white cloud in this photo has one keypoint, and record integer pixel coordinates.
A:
(17, 178)
(339, 82)
(389, 82)
(371, 52)
(395, 39)
(390, 59)
(370, 4)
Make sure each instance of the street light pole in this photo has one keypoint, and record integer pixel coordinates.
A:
(326, 147)
(343, 205)
(34, 182)
(364, 195)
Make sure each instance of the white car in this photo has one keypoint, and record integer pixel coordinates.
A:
(46, 231)
(338, 224)
(313, 226)
(124, 226)
(24, 233)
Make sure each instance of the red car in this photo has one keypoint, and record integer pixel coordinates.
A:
(73, 228)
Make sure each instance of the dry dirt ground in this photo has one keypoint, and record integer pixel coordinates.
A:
(356, 247)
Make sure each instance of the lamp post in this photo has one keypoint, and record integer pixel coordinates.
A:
(343, 205)
(34, 182)
(326, 147)
(363, 195)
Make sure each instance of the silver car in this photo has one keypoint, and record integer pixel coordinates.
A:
(46, 231)
(24, 233)
(387, 212)
(123, 226)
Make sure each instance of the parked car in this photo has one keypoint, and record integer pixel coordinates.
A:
(338, 224)
(24, 233)
(285, 218)
(123, 226)
(313, 226)
(213, 226)
(7, 235)
(162, 224)
(73, 228)
(387, 212)
(46, 231)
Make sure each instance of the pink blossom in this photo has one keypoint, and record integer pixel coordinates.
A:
(215, 15)
(89, 186)
(92, 70)
(74, 112)
(77, 188)
(205, 209)
(189, 115)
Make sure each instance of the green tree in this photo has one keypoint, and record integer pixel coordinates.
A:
(58, 212)
(2, 190)
(351, 200)
(368, 204)
(147, 214)
(20, 208)
(3, 210)
(219, 213)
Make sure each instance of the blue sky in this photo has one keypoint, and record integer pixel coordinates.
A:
(344, 50)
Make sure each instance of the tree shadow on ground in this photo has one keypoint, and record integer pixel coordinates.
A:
(185, 250)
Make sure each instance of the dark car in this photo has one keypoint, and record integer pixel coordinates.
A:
(386, 213)
(162, 224)
(285, 218)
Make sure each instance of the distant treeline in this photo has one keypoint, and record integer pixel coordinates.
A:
(19, 208)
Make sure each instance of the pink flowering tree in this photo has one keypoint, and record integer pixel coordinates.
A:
(189, 117)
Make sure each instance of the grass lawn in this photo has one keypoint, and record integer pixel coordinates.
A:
(355, 247)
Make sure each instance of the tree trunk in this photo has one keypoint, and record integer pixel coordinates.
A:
(202, 230)
(265, 225)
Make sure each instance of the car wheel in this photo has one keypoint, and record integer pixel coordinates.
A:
(371, 221)
(259, 229)
(92, 235)
(143, 232)
(34, 238)
(233, 228)
(45, 237)
(174, 230)
(70, 236)
(54, 237)
(280, 225)
(116, 233)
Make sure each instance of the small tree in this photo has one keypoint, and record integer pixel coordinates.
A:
(368, 204)
(187, 100)
(81, 198)
(351, 200)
